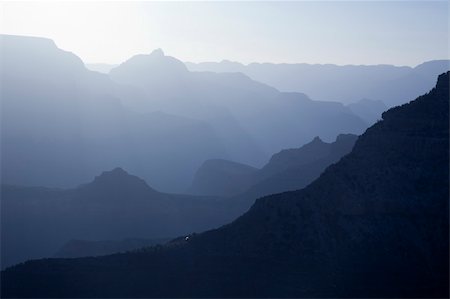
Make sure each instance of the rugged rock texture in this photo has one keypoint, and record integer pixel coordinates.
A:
(375, 224)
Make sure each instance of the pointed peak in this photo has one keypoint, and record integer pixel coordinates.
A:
(317, 140)
(157, 53)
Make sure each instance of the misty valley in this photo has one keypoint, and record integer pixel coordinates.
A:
(158, 177)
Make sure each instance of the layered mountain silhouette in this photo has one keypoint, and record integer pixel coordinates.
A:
(119, 205)
(115, 205)
(347, 84)
(287, 170)
(252, 119)
(113, 201)
(373, 224)
(62, 124)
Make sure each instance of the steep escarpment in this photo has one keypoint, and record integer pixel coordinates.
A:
(376, 223)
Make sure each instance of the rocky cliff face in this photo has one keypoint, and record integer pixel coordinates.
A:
(375, 224)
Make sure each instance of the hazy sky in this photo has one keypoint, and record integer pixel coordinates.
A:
(356, 32)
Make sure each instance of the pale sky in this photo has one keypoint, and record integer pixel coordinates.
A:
(356, 32)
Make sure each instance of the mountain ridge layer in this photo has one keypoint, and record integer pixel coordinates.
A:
(394, 85)
(374, 224)
(289, 169)
(143, 123)
(94, 130)
(253, 118)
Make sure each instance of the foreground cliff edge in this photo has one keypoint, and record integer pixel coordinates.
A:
(375, 224)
